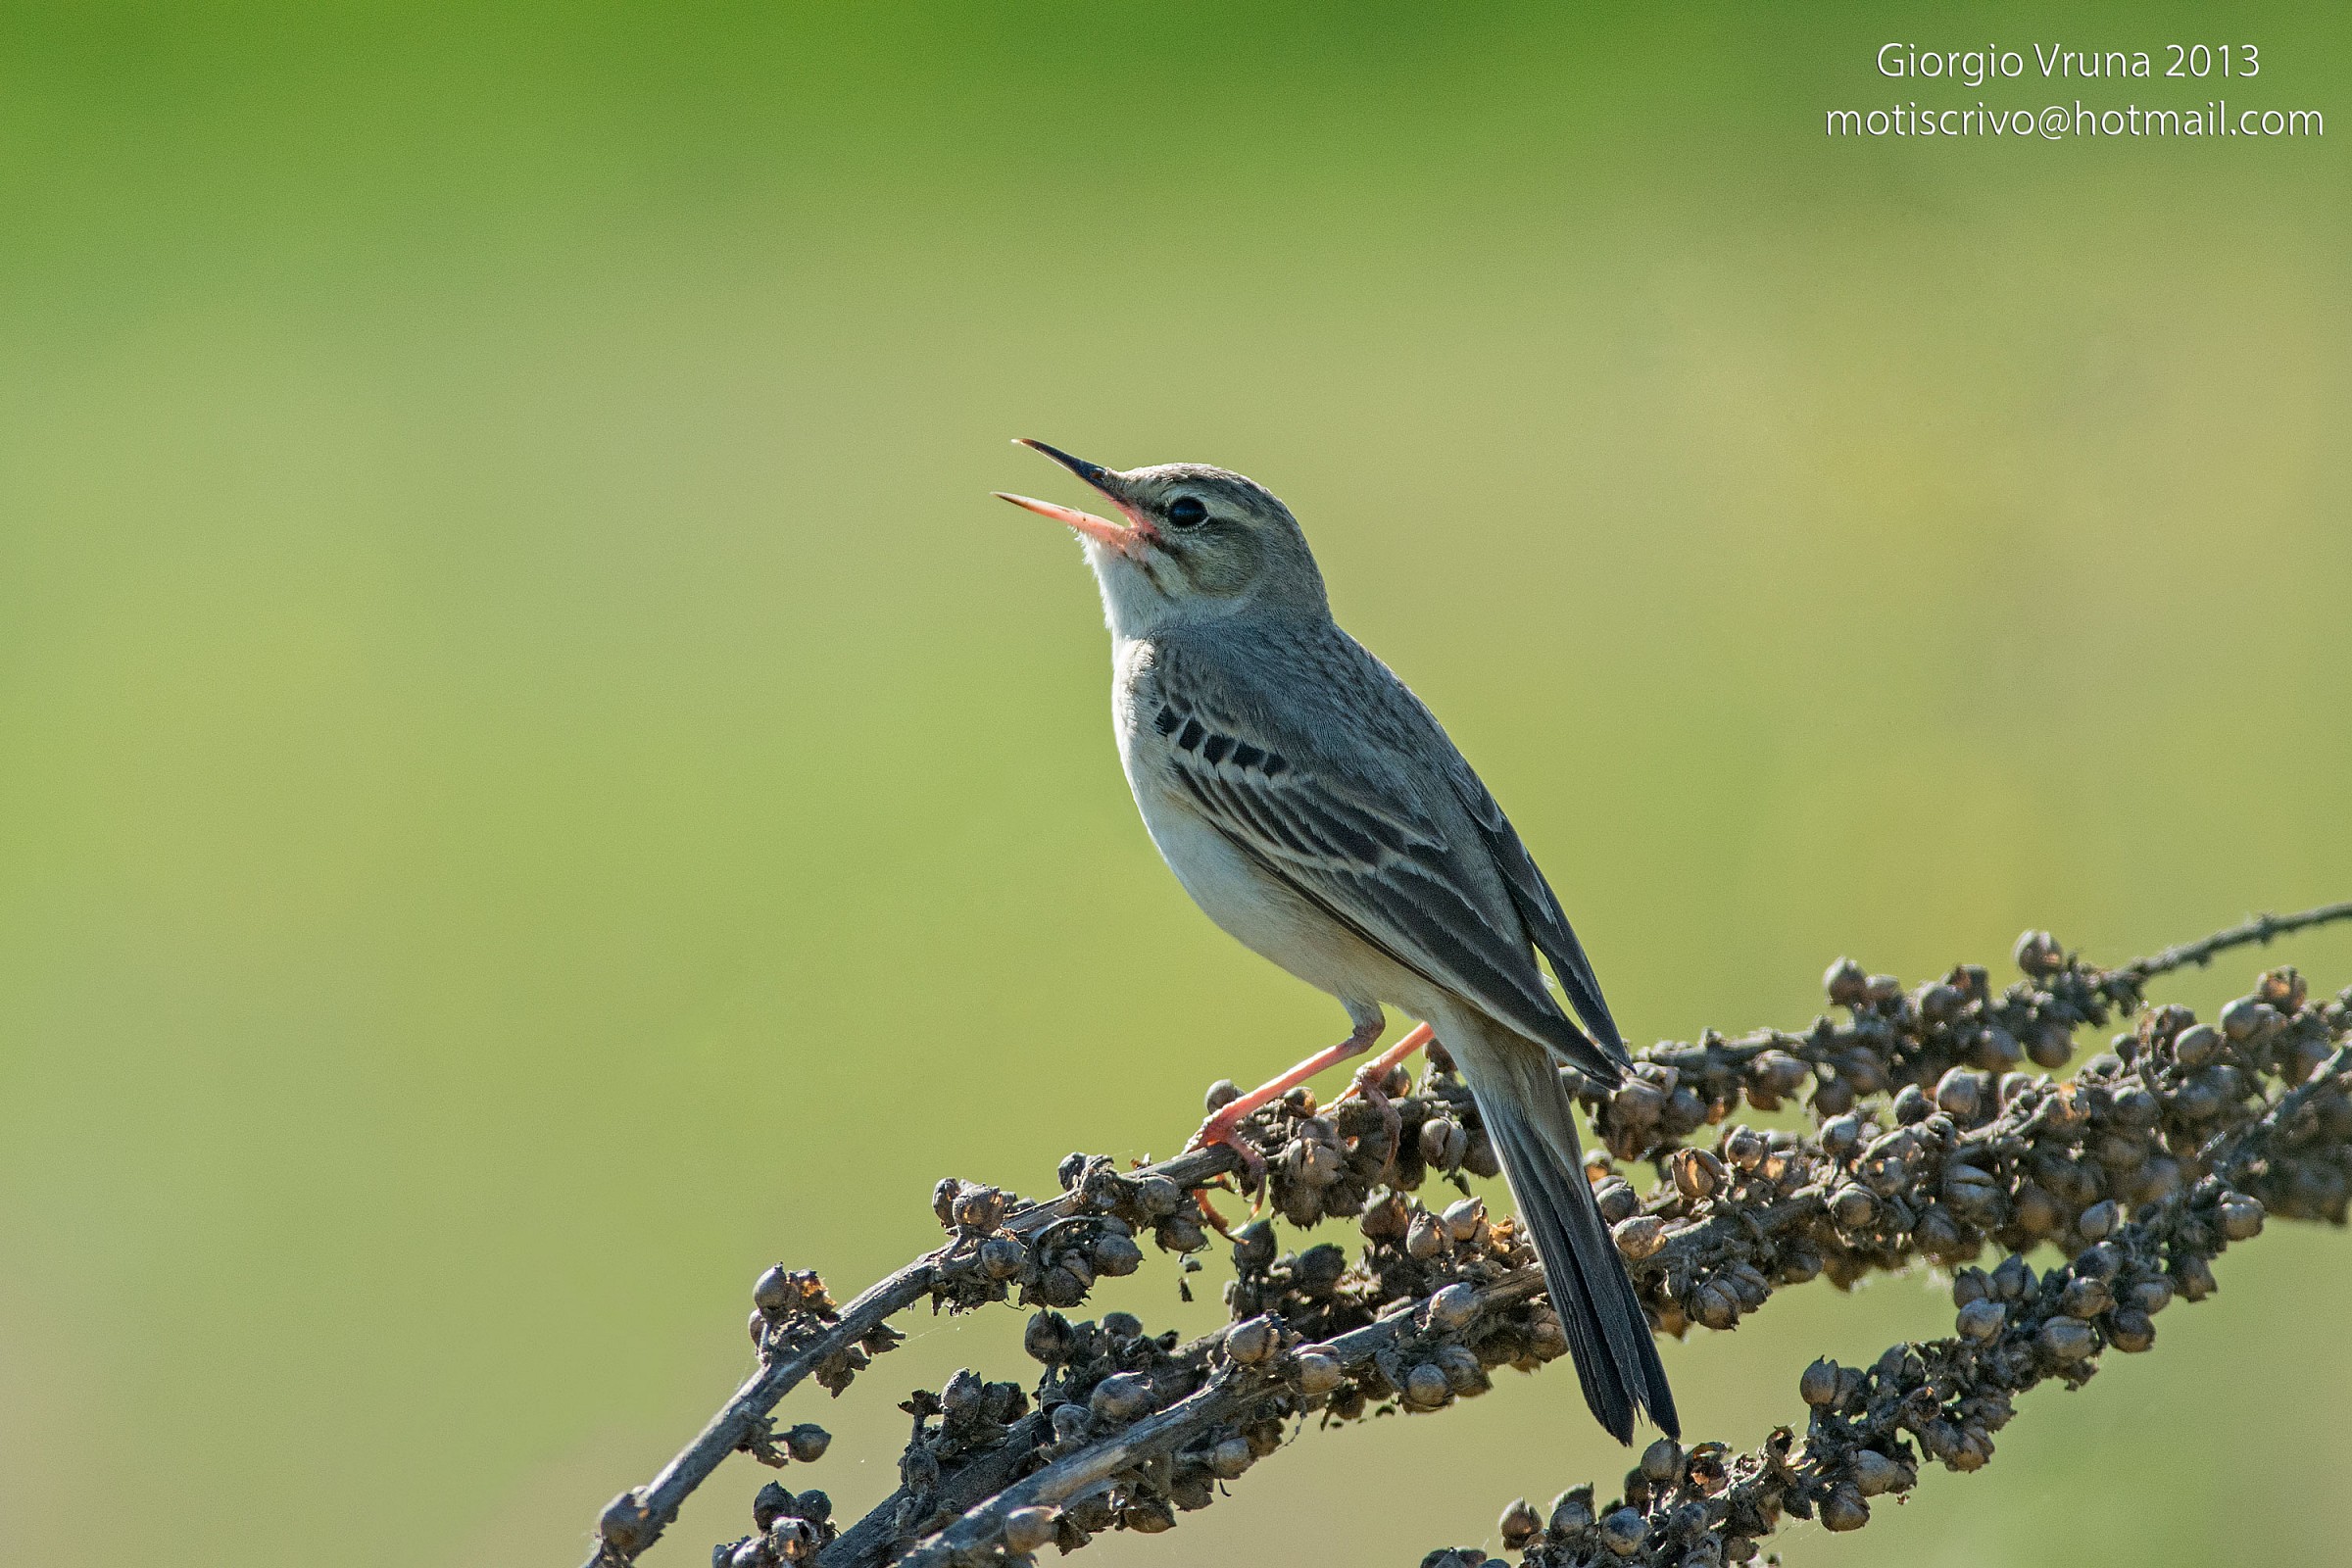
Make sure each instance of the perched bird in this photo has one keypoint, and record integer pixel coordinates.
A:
(1315, 809)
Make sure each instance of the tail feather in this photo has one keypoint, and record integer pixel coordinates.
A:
(1529, 1114)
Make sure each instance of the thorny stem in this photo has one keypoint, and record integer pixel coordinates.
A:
(1022, 1483)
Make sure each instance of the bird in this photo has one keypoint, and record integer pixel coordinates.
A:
(1317, 811)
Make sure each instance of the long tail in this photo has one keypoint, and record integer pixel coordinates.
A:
(1529, 1114)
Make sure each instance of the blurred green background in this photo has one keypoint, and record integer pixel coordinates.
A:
(534, 782)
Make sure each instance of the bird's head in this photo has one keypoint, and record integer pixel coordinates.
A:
(1198, 544)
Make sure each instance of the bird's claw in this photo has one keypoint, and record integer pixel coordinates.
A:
(1221, 1128)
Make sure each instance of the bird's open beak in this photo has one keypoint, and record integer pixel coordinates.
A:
(1122, 537)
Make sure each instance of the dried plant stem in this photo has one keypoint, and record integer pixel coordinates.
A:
(1924, 1146)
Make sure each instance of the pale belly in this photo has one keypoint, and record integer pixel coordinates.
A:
(1266, 917)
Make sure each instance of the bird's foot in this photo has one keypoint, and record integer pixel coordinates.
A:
(1223, 1127)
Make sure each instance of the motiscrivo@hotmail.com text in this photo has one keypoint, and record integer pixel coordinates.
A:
(2213, 67)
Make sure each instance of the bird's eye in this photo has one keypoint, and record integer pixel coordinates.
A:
(1187, 511)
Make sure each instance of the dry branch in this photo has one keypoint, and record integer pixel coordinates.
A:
(1927, 1144)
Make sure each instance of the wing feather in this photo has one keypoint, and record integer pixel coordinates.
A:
(1457, 902)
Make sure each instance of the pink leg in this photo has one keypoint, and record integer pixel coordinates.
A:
(1372, 1074)
(1218, 1129)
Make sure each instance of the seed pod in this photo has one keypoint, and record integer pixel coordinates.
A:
(2066, 1339)
(1001, 1256)
(1436, 1132)
(2197, 1045)
(1713, 1303)
(943, 1196)
(979, 1210)
(1091, 1512)
(1426, 1237)
(1940, 1236)
(1048, 1338)
(2037, 1212)
(1852, 1208)
(1026, 1530)
(772, 1292)
(961, 1397)
(2136, 1107)
(2239, 1217)
(1937, 1001)
(1480, 1159)
(1697, 1174)
(2158, 1180)
(1383, 1221)
(1224, 1092)
(1071, 1422)
(1800, 1262)
(1973, 1193)
(1840, 1136)
(2151, 1295)
(1663, 1462)
(1148, 1516)
(1251, 1342)
(1874, 1473)
(2038, 954)
(1995, 1050)
(1463, 1375)
(1518, 1524)
(808, 1442)
(1299, 1203)
(1684, 1113)
(1778, 1073)
(1846, 983)
(2086, 1298)
(1317, 1164)
(2242, 1017)
(2013, 1280)
(1962, 1093)
(1616, 1202)
(1843, 1510)
(1640, 1237)
(1465, 1218)
(1452, 1308)
(1180, 1232)
(2129, 1330)
(2097, 1222)
(1637, 1105)
(1983, 1321)
(1744, 1147)
(772, 1502)
(1970, 1285)
(1230, 1457)
(1833, 1097)
(1819, 1385)
(2098, 1263)
(1157, 1197)
(1622, 1532)
(1426, 1388)
(1115, 1256)
(1571, 1511)
(1120, 1397)
(1317, 1372)
(2050, 1045)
